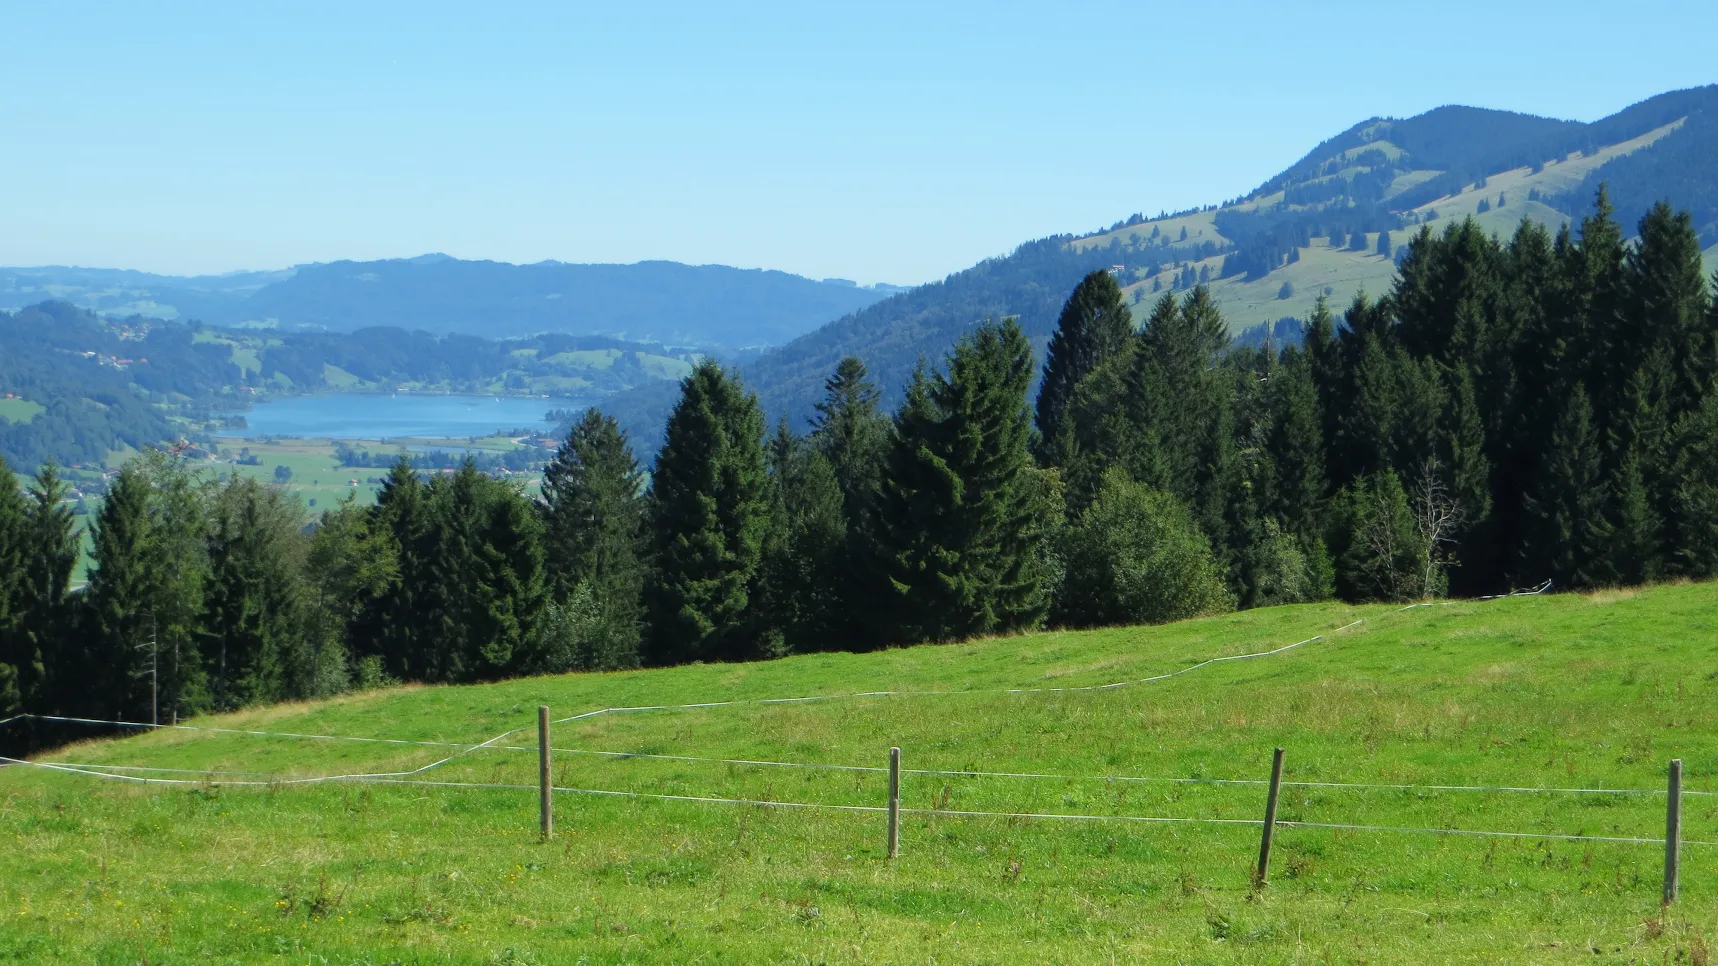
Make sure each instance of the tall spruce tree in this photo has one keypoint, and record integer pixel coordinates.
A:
(145, 596)
(1295, 445)
(350, 564)
(1666, 305)
(14, 661)
(486, 582)
(1670, 342)
(852, 434)
(1095, 324)
(958, 547)
(800, 573)
(394, 625)
(1565, 510)
(44, 627)
(1693, 480)
(709, 513)
(593, 514)
(254, 626)
(1537, 343)
(1152, 409)
(853, 437)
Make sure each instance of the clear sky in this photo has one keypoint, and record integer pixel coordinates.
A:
(877, 141)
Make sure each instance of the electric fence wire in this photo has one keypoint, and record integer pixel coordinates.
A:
(465, 750)
(960, 773)
(119, 772)
(931, 812)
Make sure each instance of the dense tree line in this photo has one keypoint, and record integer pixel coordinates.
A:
(1511, 411)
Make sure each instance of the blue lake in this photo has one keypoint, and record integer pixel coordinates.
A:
(378, 415)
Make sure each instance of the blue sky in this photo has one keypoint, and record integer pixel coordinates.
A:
(877, 141)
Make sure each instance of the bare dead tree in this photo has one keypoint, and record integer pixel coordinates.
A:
(1439, 518)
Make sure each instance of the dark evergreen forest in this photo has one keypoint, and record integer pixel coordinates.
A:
(1512, 411)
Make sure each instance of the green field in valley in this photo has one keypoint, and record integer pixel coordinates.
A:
(1589, 692)
(318, 479)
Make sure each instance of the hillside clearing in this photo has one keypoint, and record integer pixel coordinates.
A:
(20, 410)
(1595, 691)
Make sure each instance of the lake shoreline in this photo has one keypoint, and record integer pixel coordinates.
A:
(400, 415)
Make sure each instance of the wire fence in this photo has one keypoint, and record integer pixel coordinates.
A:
(162, 776)
(265, 780)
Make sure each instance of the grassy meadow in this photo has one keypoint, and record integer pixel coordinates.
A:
(1592, 691)
(320, 482)
(19, 410)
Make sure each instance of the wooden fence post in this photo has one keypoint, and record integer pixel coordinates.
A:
(1672, 831)
(1264, 869)
(545, 798)
(894, 802)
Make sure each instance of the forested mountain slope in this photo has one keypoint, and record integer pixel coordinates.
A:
(1331, 225)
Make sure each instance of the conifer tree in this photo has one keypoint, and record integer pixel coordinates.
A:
(118, 600)
(1369, 426)
(1525, 402)
(253, 625)
(1565, 510)
(14, 661)
(43, 627)
(708, 518)
(1631, 553)
(486, 581)
(1325, 365)
(1381, 555)
(1665, 297)
(852, 434)
(1592, 304)
(1693, 484)
(1666, 344)
(797, 592)
(1295, 445)
(593, 517)
(1095, 324)
(853, 437)
(350, 564)
(395, 625)
(145, 597)
(958, 547)
(1172, 396)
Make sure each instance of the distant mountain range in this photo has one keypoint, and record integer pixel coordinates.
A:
(704, 306)
(1315, 229)
(1332, 224)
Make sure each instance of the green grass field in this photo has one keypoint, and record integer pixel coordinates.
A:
(318, 480)
(1577, 691)
(19, 410)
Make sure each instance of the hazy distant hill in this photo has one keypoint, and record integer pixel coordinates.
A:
(662, 302)
(1312, 230)
(81, 388)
